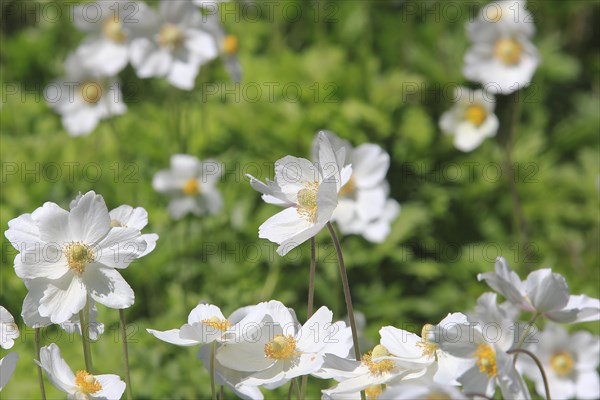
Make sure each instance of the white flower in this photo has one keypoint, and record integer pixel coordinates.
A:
(502, 58)
(570, 362)
(422, 389)
(308, 191)
(228, 46)
(81, 385)
(471, 120)
(67, 256)
(83, 97)
(175, 46)
(9, 331)
(129, 217)
(7, 366)
(191, 185)
(542, 292)
(363, 204)
(110, 26)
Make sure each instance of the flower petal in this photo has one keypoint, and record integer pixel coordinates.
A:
(89, 220)
(107, 286)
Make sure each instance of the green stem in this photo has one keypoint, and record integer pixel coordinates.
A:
(539, 365)
(525, 333)
(311, 297)
(222, 393)
(39, 369)
(123, 326)
(296, 388)
(213, 388)
(85, 336)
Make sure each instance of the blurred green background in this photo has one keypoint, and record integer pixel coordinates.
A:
(371, 71)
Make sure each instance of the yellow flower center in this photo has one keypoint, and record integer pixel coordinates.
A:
(170, 37)
(486, 359)
(90, 92)
(191, 187)
(215, 322)
(78, 256)
(437, 396)
(378, 367)
(508, 51)
(112, 28)
(349, 188)
(562, 363)
(116, 223)
(230, 45)
(429, 347)
(281, 348)
(475, 114)
(373, 392)
(87, 383)
(307, 201)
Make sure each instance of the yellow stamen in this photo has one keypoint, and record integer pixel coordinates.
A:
(307, 201)
(378, 367)
(508, 51)
(215, 322)
(90, 92)
(191, 187)
(281, 348)
(230, 45)
(429, 347)
(87, 383)
(112, 28)
(562, 363)
(170, 37)
(349, 188)
(78, 256)
(486, 359)
(475, 114)
(373, 392)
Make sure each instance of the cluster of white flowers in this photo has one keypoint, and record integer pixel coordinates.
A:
(172, 42)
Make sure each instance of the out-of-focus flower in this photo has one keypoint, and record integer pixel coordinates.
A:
(81, 385)
(502, 58)
(570, 362)
(7, 366)
(363, 204)
(422, 389)
(9, 331)
(175, 45)
(227, 44)
(543, 292)
(191, 184)
(471, 120)
(67, 256)
(308, 191)
(83, 98)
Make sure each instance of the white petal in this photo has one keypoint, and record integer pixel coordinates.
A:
(108, 287)
(89, 220)
(53, 223)
(7, 366)
(103, 56)
(172, 336)
(183, 74)
(112, 387)
(310, 338)
(370, 164)
(547, 291)
(23, 232)
(587, 385)
(57, 370)
(120, 247)
(292, 174)
(148, 59)
(63, 298)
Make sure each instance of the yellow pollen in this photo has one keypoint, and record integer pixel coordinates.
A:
(281, 348)
(378, 367)
(307, 201)
(170, 37)
(191, 187)
(116, 224)
(486, 359)
(90, 92)
(429, 347)
(562, 363)
(87, 383)
(230, 45)
(78, 256)
(373, 392)
(349, 188)
(215, 322)
(112, 28)
(508, 51)
(475, 114)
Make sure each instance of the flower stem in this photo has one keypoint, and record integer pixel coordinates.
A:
(525, 333)
(123, 326)
(85, 336)
(39, 369)
(213, 348)
(311, 296)
(539, 365)
(222, 393)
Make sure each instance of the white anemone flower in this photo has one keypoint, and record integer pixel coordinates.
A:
(67, 256)
(82, 384)
(544, 292)
(129, 217)
(7, 367)
(83, 98)
(570, 362)
(309, 191)
(191, 184)
(175, 46)
(502, 58)
(363, 204)
(9, 331)
(471, 120)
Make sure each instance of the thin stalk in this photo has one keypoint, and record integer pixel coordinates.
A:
(527, 330)
(213, 388)
(296, 388)
(311, 297)
(39, 369)
(123, 326)
(222, 393)
(85, 336)
(539, 365)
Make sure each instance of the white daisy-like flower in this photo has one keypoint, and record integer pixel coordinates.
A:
(129, 217)
(227, 44)
(502, 58)
(67, 256)
(83, 98)
(191, 184)
(7, 367)
(363, 204)
(543, 292)
(309, 191)
(9, 331)
(471, 120)
(82, 384)
(110, 26)
(570, 362)
(175, 46)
